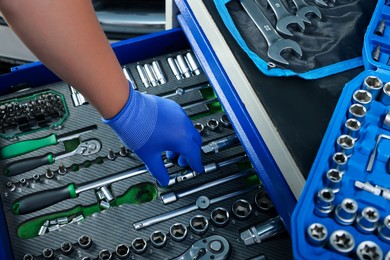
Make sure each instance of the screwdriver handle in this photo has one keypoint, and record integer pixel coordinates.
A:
(27, 146)
(40, 200)
(28, 164)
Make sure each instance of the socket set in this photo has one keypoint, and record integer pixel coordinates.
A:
(344, 209)
(79, 193)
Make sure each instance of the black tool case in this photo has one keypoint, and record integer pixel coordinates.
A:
(279, 122)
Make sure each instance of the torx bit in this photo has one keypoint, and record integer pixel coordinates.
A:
(111, 155)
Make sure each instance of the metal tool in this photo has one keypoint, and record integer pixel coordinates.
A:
(340, 162)
(48, 253)
(158, 72)
(345, 145)
(183, 67)
(363, 97)
(225, 121)
(263, 202)
(220, 144)
(212, 247)
(346, 212)
(284, 18)
(369, 250)
(372, 158)
(199, 225)
(368, 187)
(201, 203)
(200, 128)
(39, 200)
(342, 241)
(263, 231)
(142, 74)
(367, 220)
(384, 96)
(139, 245)
(158, 239)
(358, 112)
(386, 121)
(373, 84)
(376, 53)
(276, 44)
(183, 91)
(129, 77)
(66, 248)
(77, 98)
(352, 128)
(208, 168)
(105, 255)
(150, 74)
(27, 146)
(28, 257)
(324, 202)
(384, 229)
(380, 29)
(175, 70)
(122, 251)
(323, 3)
(173, 196)
(304, 9)
(219, 217)
(241, 209)
(195, 68)
(85, 148)
(213, 125)
(84, 242)
(317, 234)
(178, 232)
(334, 180)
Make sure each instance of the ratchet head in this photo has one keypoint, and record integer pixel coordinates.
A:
(302, 12)
(275, 50)
(89, 147)
(283, 23)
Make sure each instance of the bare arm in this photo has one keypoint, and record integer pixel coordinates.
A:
(66, 36)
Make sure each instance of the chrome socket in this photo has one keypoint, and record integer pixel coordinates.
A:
(67, 248)
(122, 251)
(111, 155)
(49, 174)
(384, 96)
(178, 232)
(36, 178)
(324, 202)
(158, 239)
(193, 64)
(199, 225)
(317, 234)
(158, 71)
(358, 112)
(44, 228)
(369, 250)
(107, 193)
(28, 257)
(241, 209)
(200, 128)
(10, 186)
(334, 179)
(84, 242)
(384, 229)
(48, 253)
(150, 74)
(183, 67)
(362, 97)
(105, 255)
(373, 85)
(346, 212)
(139, 245)
(386, 121)
(342, 241)
(174, 68)
(142, 74)
(225, 121)
(213, 125)
(367, 220)
(220, 217)
(23, 182)
(345, 145)
(263, 202)
(340, 162)
(352, 127)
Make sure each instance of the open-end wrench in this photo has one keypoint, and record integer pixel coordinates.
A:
(276, 44)
(284, 17)
(303, 9)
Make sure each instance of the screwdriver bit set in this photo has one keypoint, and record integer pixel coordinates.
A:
(344, 210)
(77, 193)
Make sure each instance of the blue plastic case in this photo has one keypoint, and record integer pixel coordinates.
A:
(321, 217)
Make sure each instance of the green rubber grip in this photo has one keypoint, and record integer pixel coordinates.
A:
(28, 164)
(27, 146)
(40, 200)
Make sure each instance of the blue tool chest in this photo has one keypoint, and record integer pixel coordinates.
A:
(344, 210)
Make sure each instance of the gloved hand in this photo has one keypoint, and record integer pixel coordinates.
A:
(149, 125)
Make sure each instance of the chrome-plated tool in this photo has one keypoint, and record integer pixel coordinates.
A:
(368, 219)
(66, 248)
(174, 196)
(358, 112)
(105, 254)
(77, 98)
(346, 212)
(386, 121)
(317, 234)
(178, 232)
(158, 239)
(142, 74)
(380, 29)
(263, 202)
(200, 128)
(362, 97)
(175, 70)
(48, 253)
(276, 44)
(28, 257)
(158, 72)
(324, 202)
(342, 241)
(220, 144)
(219, 217)
(201, 203)
(384, 96)
(150, 74)
(130, 78)
(183, 91)
(212, 247)
(372, 158)
(183, 66)
(195, 68)
(85, 148)
(262, 231)
(122, 251)
(304, 9)
(200, 103)
(333, 180)
(352, 127)
(373, 84)
(384, 229)
(369, 250)
(284, 18)
(368, 187)
(84, 242)
(241, 209)
(339, 162)
(225, 121)
(199, 225)
(139, 245)
(345, 145)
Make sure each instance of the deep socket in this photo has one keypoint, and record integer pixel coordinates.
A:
(324, 202)
(352, 128)
(358, 112)
(373, 85)
(333, 180)
(384, 229)
(317, 234)
(159, 73)
(158, 239)
(193, 64)
(178, 232)
(199, 225)
(384, 96)
(150, 74)
(367, 220)
(122, 251)
(346, 212)
(342, 241)
(220, 217)
(369, 250)
(386, 121)
(139, 245)
(241, 209)
(142, 74)
(362, 97)
(174, 68)
(182, 64)
(105, 255)
(107, 193)
(376, 53)
(340, 162)
(345, 145)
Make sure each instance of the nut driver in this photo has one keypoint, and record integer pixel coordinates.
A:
(85, 148)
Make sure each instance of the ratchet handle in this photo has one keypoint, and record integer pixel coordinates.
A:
(27, 146)
(28, 164)
(40, 200)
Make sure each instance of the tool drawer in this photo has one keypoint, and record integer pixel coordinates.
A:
(70, 189)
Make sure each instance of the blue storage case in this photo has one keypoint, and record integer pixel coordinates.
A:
(344, 210)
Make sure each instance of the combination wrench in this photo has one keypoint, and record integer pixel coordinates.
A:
(284, 17)
(276, 44)
(303, 9)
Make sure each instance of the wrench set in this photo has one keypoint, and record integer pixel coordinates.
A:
(77, 192)
(344, 209)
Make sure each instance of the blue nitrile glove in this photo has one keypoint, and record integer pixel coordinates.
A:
(149, 125)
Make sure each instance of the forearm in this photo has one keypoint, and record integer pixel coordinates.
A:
(67, 38)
